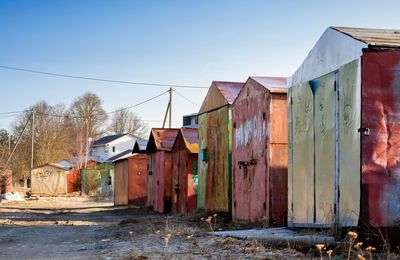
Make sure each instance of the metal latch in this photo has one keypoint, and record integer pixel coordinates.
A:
(246, 163)
(365, 131)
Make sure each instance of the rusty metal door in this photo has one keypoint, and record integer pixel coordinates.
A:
(182, 181)
(159, 181)
(137, 186)
(150, 180)
(176, 188)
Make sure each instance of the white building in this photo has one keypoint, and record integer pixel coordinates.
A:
(108, 146)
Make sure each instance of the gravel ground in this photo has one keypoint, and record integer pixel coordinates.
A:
(83, 228)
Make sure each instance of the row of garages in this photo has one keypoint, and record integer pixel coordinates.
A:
(320, 148)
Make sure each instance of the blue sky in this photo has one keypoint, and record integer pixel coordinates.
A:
(170, 42)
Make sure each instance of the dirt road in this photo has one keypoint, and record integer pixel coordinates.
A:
(79, 228)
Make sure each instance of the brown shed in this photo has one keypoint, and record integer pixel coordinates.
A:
(159, 182)
(184, 179)
(259, 151)
(130, 179)
(215, 143)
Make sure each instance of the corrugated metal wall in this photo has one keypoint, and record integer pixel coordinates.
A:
(381, 148)
(278, 160)
(202, 161)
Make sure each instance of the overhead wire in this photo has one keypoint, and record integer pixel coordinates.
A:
(102, 79)
(7, 114)
(187, 99)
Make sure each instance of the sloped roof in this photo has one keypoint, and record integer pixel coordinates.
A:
(161, 139)
(373, 37)
(123, 155)
(340, 45)
(229, 90)
(52, 165)
(219, 94)
(273, 84)
(191, 137)
(107, 139)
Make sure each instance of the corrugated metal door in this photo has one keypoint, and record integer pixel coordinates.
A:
(314, 143)
(302, 181)
(349, 147)
(324, 130)
(242, 178)
(137, 181)
(176, 189)
(159, 159)
(183, 176)
(121, 183)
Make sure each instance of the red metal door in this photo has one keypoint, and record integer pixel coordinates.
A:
(137, 181)
(183, 174)
(176, 189)
(158, 180)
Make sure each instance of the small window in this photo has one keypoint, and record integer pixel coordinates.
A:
(204, 155)
(113, 149)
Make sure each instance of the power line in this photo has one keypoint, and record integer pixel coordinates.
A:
(7, 114)
(101, 79)
(13, 112)
(187, 99)
(138, 104)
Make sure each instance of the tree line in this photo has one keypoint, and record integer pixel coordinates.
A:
(62, 132)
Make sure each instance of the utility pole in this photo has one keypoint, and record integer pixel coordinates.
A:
(170, 107)
(32, 142)
(9, 144)
(169, 110)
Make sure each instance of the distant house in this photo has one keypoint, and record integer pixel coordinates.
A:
(66, 164)
(109, 146)
(191, 120)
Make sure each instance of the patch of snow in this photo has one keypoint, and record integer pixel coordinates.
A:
(11, 196)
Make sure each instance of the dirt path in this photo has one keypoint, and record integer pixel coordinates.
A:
(78, 228)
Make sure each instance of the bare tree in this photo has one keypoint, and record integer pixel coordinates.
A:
(125, 121)
(87, 120)
(51, 138)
